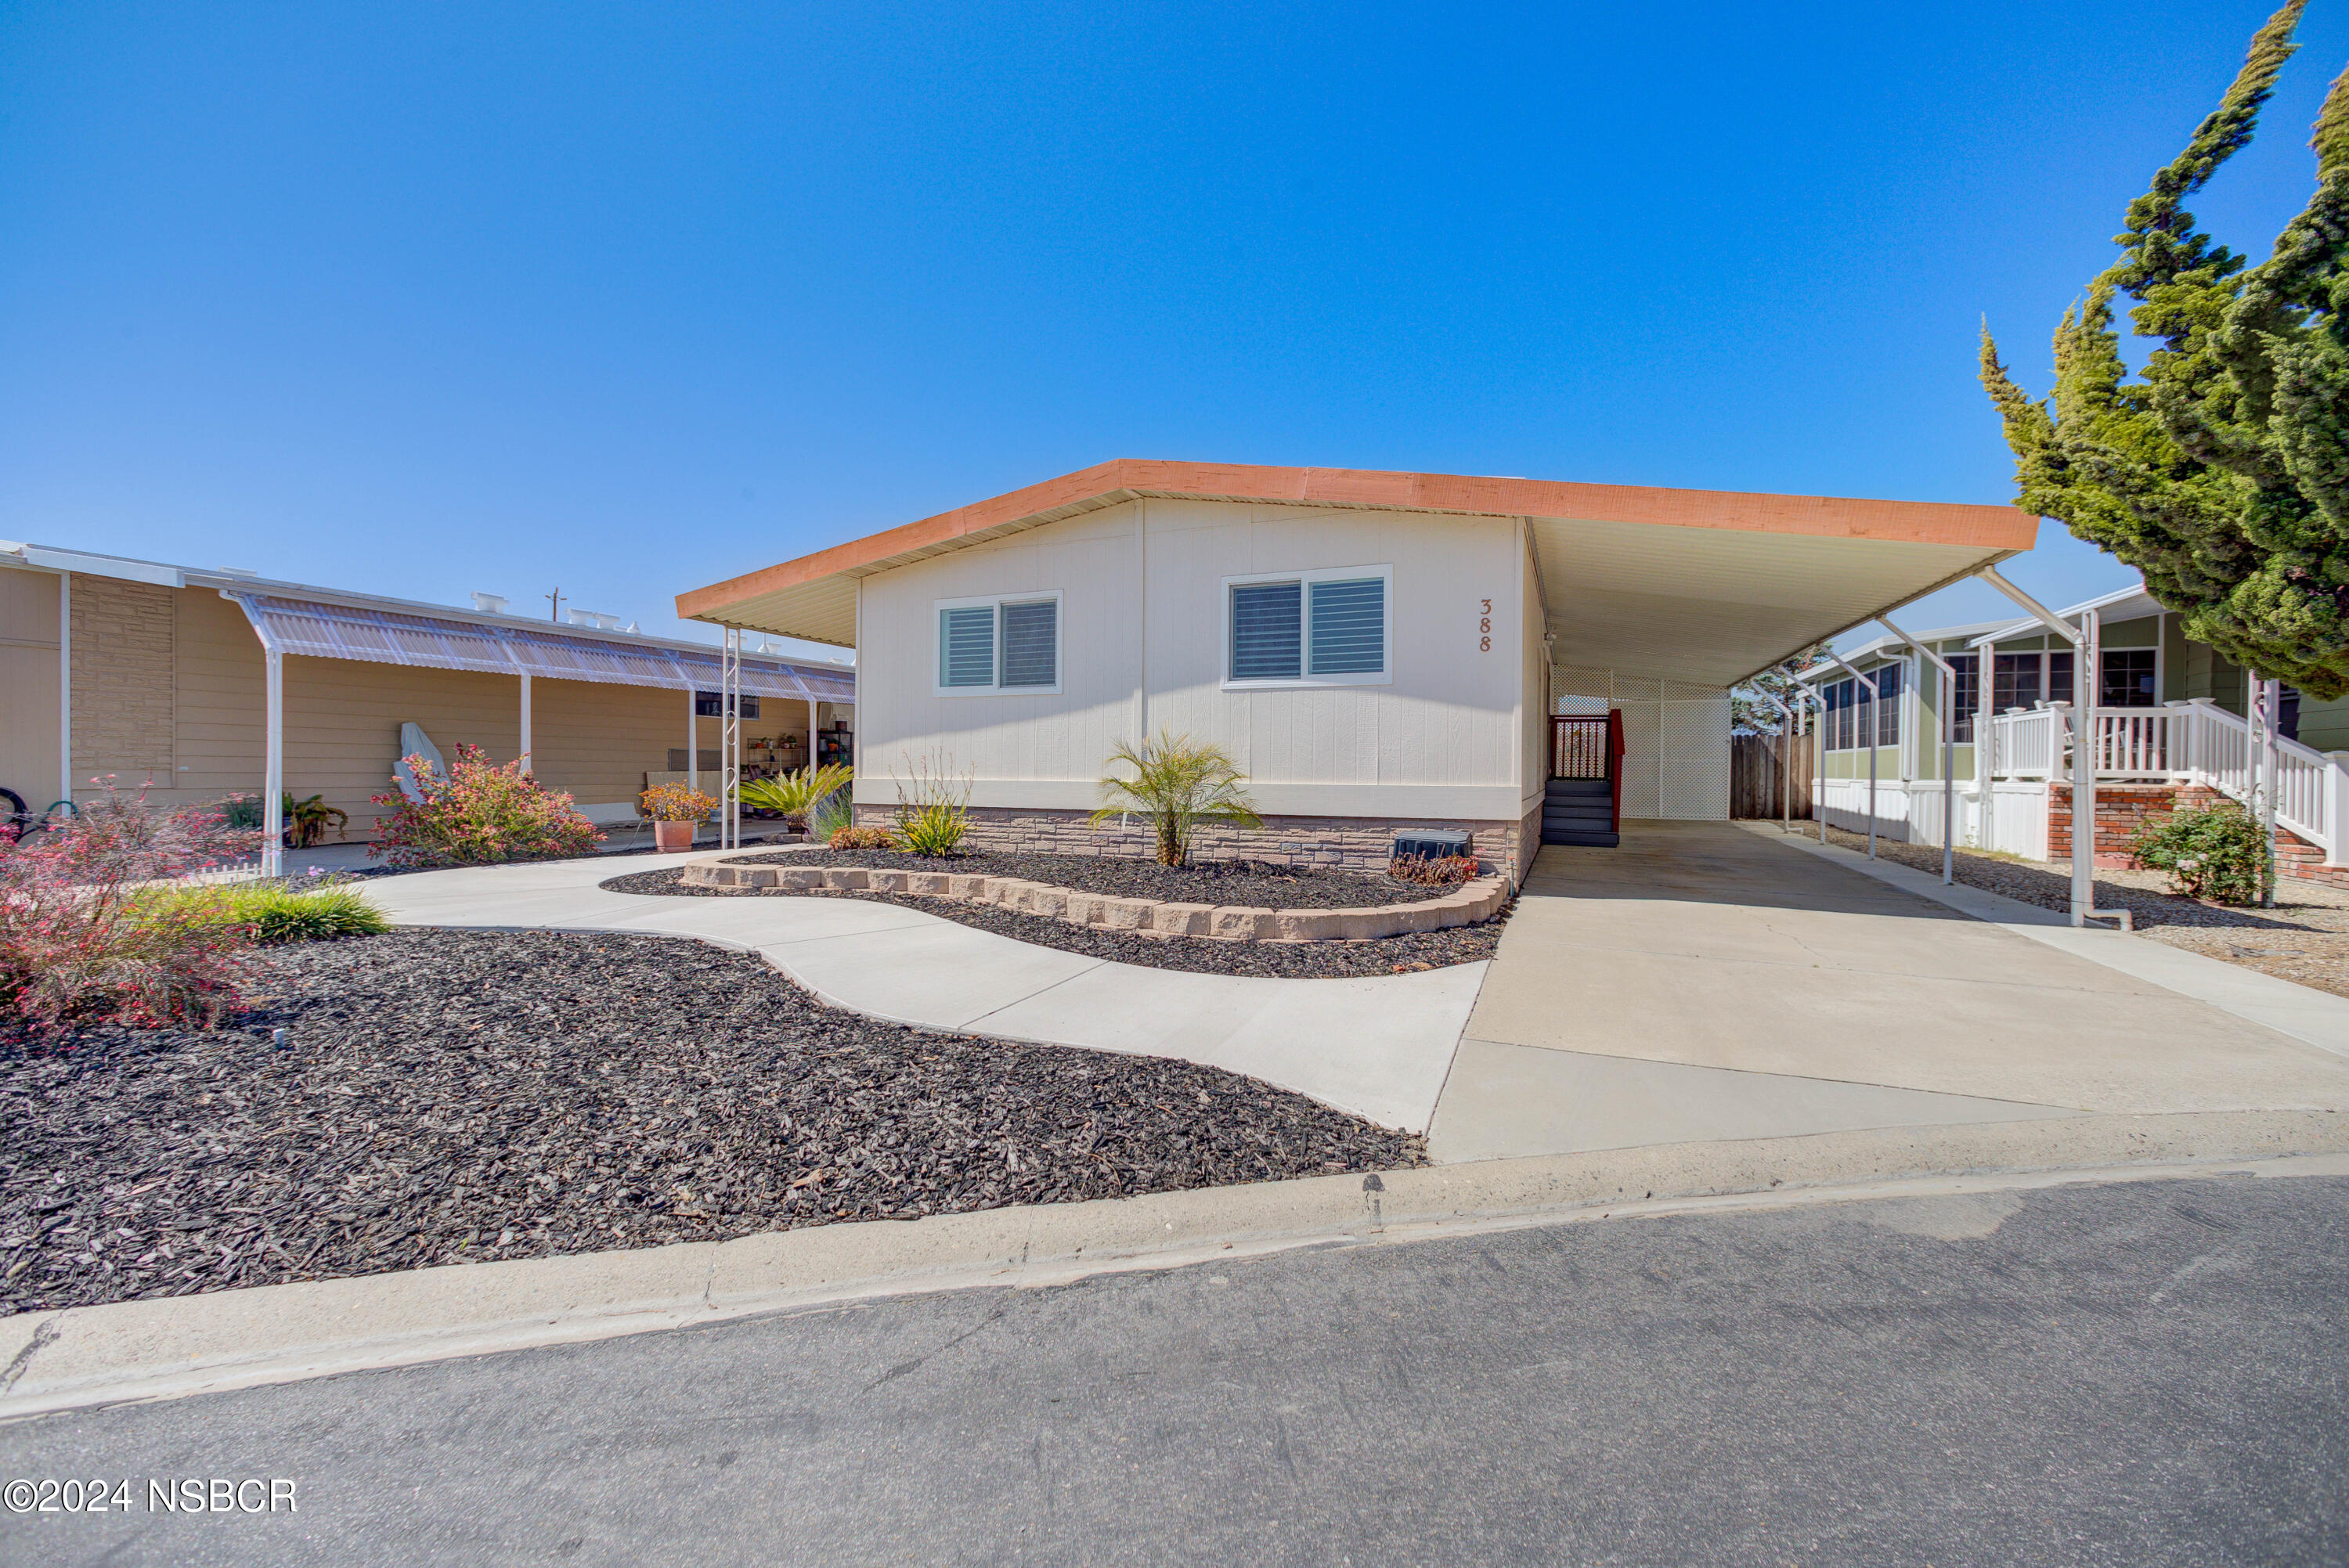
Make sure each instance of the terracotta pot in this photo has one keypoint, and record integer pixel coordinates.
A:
(672, 838)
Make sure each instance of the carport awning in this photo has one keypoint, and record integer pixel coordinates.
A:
(321, 629)
(1711, 605)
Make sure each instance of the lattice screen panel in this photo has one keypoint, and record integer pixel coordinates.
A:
(1675, 740)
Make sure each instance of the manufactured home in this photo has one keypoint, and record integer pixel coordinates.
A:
(200, 683)
(1519, 661)
(2175, 721)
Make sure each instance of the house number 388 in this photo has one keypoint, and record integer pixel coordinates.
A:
(1485, 627)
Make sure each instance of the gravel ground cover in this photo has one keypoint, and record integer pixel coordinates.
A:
(1248, 884)
(449, 1097)
(1401, 954)
(2304, 939)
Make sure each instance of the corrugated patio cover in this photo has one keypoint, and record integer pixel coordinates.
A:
(328, 631)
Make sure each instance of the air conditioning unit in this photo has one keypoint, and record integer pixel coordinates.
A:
(489, 604)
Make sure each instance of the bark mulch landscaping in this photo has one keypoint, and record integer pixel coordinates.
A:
(2303, 938)
(451, 1096)
(1404, 954)
(1246, 884)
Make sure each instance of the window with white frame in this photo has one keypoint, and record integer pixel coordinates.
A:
(1005, 644)
(1889, 681)
(1308, 628)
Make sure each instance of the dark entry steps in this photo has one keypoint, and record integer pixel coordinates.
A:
(1580, 811)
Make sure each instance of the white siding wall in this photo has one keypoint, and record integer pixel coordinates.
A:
(1443, 739)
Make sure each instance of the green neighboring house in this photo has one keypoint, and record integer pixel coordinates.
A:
(2171, 716)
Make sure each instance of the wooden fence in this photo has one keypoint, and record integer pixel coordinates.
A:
(1756, 774)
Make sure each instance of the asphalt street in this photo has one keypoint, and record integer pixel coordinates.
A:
(2145, 1373)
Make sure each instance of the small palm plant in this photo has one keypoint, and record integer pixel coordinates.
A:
(1177, 783)
(795, 794)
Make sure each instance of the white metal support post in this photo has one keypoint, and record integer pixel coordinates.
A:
(2083, 749)
(1786, 761)
(730, 704)
(1819, 761)
(2271, 706)
(692, 738)
(65, 686)
(272, 771)
(1870, 685)
(1949, 748)
(525, 723)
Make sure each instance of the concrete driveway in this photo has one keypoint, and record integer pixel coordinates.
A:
(1705, 981)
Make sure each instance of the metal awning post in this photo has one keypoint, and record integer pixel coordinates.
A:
(1948, 746)
(729, 805)
(1819, 765)
(2083, 760)
(692, 738)
(527, 767)
(2270, 704)
(1870, 685)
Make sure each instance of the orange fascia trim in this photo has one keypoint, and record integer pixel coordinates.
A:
(1988, 528)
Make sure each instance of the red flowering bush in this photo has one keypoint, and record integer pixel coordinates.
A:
(82, 937)
(1433, 871)
(478, 814)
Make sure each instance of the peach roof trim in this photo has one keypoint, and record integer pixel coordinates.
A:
(1994, 527)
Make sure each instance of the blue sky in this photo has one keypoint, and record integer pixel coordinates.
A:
(429, 299)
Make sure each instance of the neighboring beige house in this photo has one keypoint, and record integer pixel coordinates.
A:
(1381, 652)
(166, 678)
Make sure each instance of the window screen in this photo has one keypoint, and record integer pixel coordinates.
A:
(1029, 645)
(1349, 627)
(1268, 631)
(2128, 680)
(1888, 703)
(2059, 676)
(1968, 693)
(2014, 682)
(966, 646)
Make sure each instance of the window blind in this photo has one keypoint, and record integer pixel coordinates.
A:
(1268, 631)
(1349, 627)
(1029, 644)
(966, 646)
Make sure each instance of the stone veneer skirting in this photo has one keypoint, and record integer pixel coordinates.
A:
(1337, 843)
(1476, 899)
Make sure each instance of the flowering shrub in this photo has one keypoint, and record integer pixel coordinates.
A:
(1433, 871)
(676, 803)
(478, 814)
(2216, 852)
(79, 938)
(863, 838)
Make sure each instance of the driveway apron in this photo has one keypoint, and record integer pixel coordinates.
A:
(1704, 982)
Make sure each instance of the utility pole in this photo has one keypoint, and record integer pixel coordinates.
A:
(554, 605)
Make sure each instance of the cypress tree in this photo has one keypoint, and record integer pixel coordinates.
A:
(2222, 474)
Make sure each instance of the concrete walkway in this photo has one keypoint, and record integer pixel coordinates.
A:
(1378, 1047)
(1706, 982)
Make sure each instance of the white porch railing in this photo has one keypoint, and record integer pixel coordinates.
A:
(2195, 742)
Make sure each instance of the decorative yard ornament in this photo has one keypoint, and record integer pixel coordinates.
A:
(2222, 474)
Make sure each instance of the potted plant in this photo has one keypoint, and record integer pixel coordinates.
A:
(675, 811)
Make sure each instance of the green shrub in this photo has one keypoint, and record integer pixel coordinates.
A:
(932, 817)
(828, 815)
(2216, 852)
(269, 911)
(796, 795)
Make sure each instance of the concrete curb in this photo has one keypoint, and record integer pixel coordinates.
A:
(1476, 900)
(2313, 1018)
(162, 1349)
